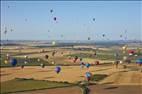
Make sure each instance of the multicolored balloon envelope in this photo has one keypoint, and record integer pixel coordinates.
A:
(57, 69)
(139, 61)
(88, 76)
(13, 62)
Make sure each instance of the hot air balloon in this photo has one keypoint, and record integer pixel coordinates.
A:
(5, 31)
(7, 56)
(88, 76)
(11, 30)
(89, 38)
(26, 20)
(131, 52)
(22, 66)
(26, 57)
(103, 35)
(6, 62)
(51, 10)
(93, 19)
(25, 62)
(13, 62)
(87, 65)
(82, 64)
(116, 54)
(62, 52)
(42, 65)
(120, 36)
(75, 59)
(53, 62)
(97, 62)
(139, 61)
(54, 18)
(124, 47)
(46, 56)
(57, 69)
(38, 60)
(80, 59)
(121, 62)
(125, 58)
(53, 43)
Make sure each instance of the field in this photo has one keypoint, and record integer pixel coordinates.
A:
(33, 79)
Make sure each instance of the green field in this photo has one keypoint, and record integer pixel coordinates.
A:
(19, 84)
(22, 84)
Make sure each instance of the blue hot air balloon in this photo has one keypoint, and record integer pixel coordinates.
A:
(13, 62)
(87, 65)
(57, 69)
(139, 61)
(88, 75)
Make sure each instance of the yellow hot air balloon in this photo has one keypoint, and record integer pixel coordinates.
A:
(6, 62)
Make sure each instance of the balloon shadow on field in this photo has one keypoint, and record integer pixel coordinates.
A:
(112, 87)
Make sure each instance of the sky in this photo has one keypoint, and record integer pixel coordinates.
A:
(32, 20)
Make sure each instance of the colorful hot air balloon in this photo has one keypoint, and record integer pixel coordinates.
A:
(57, 69)
(139, 61)
(82, 64)
(87, 65)
(131, 52)
(88, 76)
(13, 62)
